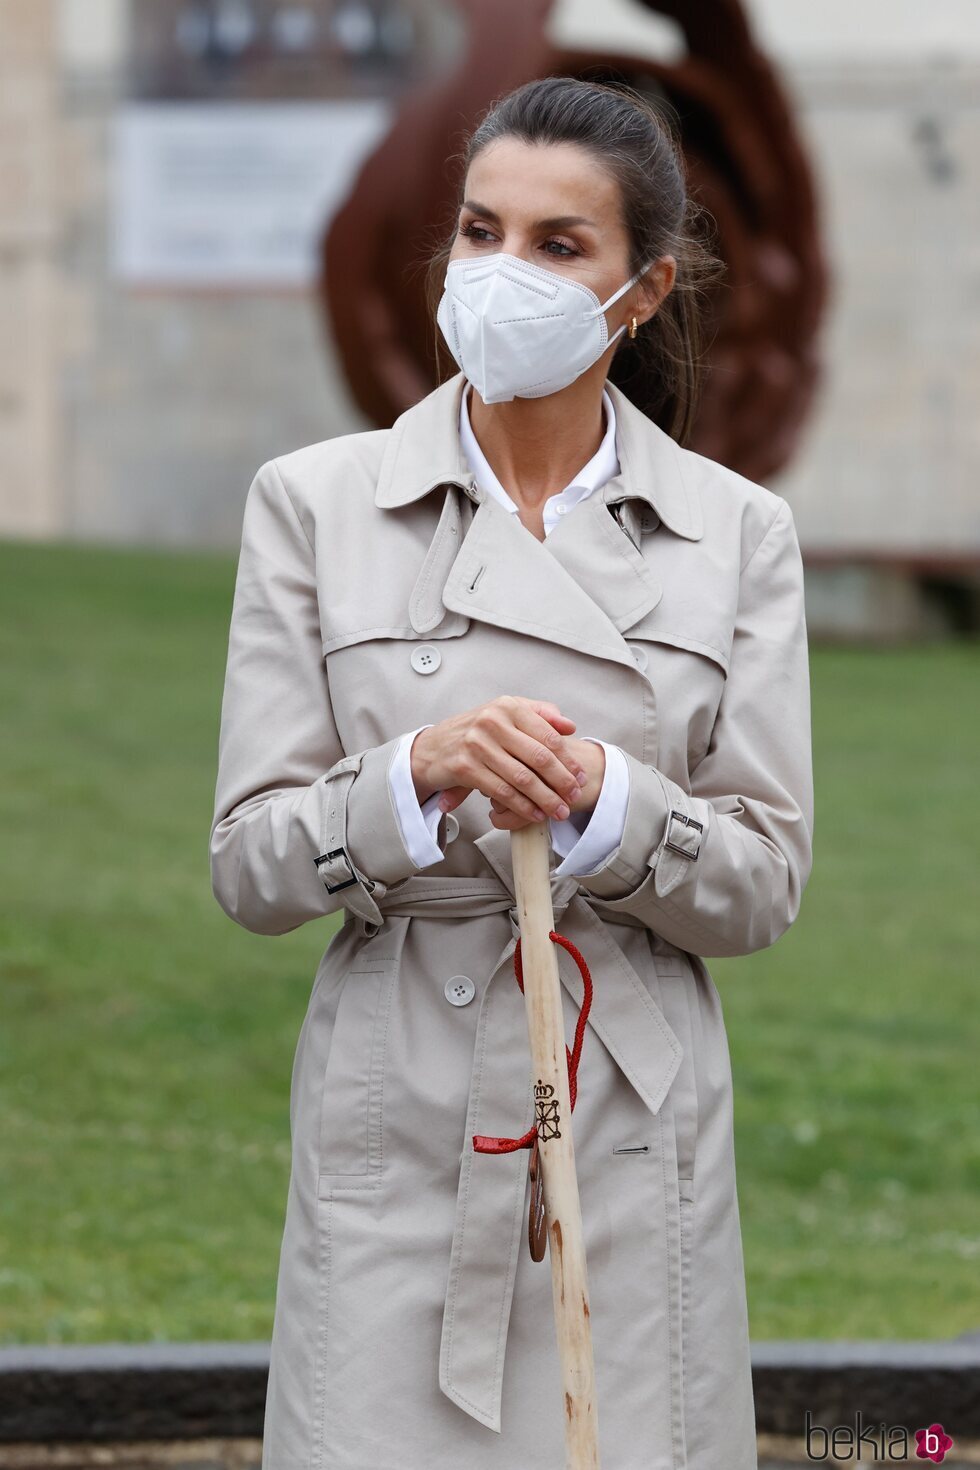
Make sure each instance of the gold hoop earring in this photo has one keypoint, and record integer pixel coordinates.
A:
(632, 327)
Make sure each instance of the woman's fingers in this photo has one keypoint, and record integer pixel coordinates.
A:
(452, 797)
(508, 822)
(513, 796)
(517, 751)
(551, 712)
(557, 769)
(522, 770)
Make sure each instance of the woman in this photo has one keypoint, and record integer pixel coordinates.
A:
(422, 621)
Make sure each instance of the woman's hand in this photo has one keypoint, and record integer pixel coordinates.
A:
(592, 756)
(514, 750)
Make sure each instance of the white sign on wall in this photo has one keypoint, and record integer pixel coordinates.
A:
(231, 194)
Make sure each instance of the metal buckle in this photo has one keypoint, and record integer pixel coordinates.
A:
(326, 858)
(688, 822)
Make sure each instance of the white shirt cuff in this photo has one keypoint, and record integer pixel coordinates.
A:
(587, 840)
(418, 823)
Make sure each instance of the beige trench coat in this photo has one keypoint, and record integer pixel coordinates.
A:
(379, 589)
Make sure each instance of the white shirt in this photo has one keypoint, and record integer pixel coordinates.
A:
(584, 840)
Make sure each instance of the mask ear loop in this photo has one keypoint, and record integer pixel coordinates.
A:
(615, 297)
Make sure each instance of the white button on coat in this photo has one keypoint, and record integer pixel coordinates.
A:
(639, 655)
(460, 990)
(426, 658)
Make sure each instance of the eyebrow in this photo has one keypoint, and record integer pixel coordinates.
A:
(557, 222)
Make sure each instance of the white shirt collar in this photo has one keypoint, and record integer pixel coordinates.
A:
(600, 468)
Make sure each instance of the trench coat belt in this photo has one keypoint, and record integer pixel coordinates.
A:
(490, 1222)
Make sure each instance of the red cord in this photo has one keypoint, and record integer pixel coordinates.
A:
(484, 1143)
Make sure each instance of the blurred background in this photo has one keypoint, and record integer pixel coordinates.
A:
(214, 218)
(172, 169)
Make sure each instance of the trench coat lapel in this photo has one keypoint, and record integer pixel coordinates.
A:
(505, 576)
(597, 552)
(589, 583)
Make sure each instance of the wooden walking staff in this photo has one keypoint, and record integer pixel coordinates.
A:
(554, 1191)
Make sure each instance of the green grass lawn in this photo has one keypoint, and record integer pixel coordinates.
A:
(146, 1041)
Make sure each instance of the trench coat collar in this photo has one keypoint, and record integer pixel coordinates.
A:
(423, 451)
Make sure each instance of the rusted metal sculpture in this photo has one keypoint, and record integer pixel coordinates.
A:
(745, 163)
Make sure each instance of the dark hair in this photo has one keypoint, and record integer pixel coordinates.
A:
(638, 140)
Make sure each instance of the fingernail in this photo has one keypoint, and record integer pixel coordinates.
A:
(443, 804)
(562, 812)
(582, 778)
(540, 815)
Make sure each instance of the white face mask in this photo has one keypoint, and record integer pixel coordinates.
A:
(520, 331)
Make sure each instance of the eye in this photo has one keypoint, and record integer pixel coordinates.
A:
(475, 232)
(566, 249)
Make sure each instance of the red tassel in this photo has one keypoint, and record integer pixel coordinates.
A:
(485, 1143)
